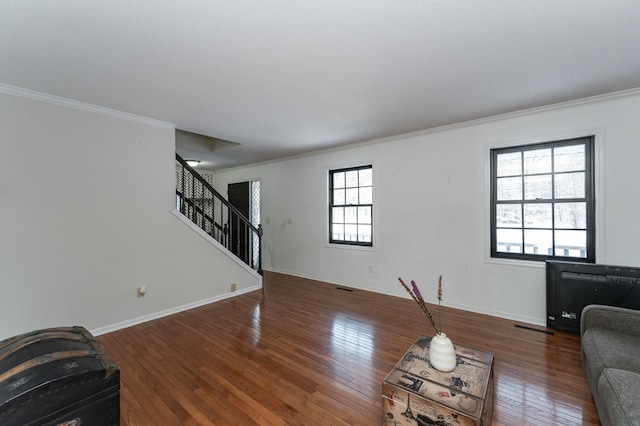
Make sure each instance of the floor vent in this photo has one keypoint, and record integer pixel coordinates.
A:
(344, 289)
(551, 333)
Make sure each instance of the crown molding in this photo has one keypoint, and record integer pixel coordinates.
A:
(498, 117)
(57, 100)
(462, 124)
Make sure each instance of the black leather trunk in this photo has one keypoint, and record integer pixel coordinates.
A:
(58, 376)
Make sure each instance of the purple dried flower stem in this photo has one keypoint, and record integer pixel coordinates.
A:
(416, 291)
(420, 303)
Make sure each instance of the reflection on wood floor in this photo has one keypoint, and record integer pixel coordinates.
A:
(302, 352)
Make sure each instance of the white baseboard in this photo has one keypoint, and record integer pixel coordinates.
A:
(170, 311)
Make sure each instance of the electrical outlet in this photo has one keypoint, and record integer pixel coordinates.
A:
(233, 287)
(141, 291)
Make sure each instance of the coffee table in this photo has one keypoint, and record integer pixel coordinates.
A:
(415, 393)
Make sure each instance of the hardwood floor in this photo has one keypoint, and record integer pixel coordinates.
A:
(301, 352)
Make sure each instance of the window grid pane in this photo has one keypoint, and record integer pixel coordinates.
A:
(537, 187)
(351, 196)
(510, 240)
(537, 161)
(510, 188)
(351, 206)
(538, 241)
(570, 215)
(569, 158)
(538, 216)
(509, 164)
(509, 215)
(543, 202)
(337, 215)
(569, 185)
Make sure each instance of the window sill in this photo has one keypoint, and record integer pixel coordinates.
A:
(350, 247)
(515, 262)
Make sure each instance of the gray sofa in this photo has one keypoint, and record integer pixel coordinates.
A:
(611, 361)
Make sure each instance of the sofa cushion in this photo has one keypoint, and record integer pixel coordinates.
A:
(609, 349)
(618, 403)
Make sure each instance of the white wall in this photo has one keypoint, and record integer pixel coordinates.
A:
(86, 204)
(431, 207)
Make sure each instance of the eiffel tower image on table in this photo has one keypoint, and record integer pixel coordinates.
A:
(408, 413)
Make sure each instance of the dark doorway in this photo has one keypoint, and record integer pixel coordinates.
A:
(239, 196)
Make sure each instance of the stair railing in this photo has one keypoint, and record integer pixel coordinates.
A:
(208, 209)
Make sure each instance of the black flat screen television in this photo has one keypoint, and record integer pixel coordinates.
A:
(572, 285)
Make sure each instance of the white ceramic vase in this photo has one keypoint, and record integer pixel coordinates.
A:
(442, 354)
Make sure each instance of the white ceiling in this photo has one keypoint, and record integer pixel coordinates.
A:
(283, 77)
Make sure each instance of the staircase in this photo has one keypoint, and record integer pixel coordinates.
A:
(203, 205)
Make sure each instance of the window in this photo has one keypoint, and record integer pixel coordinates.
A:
(542, 201)
(351, 206)
(255, 218)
